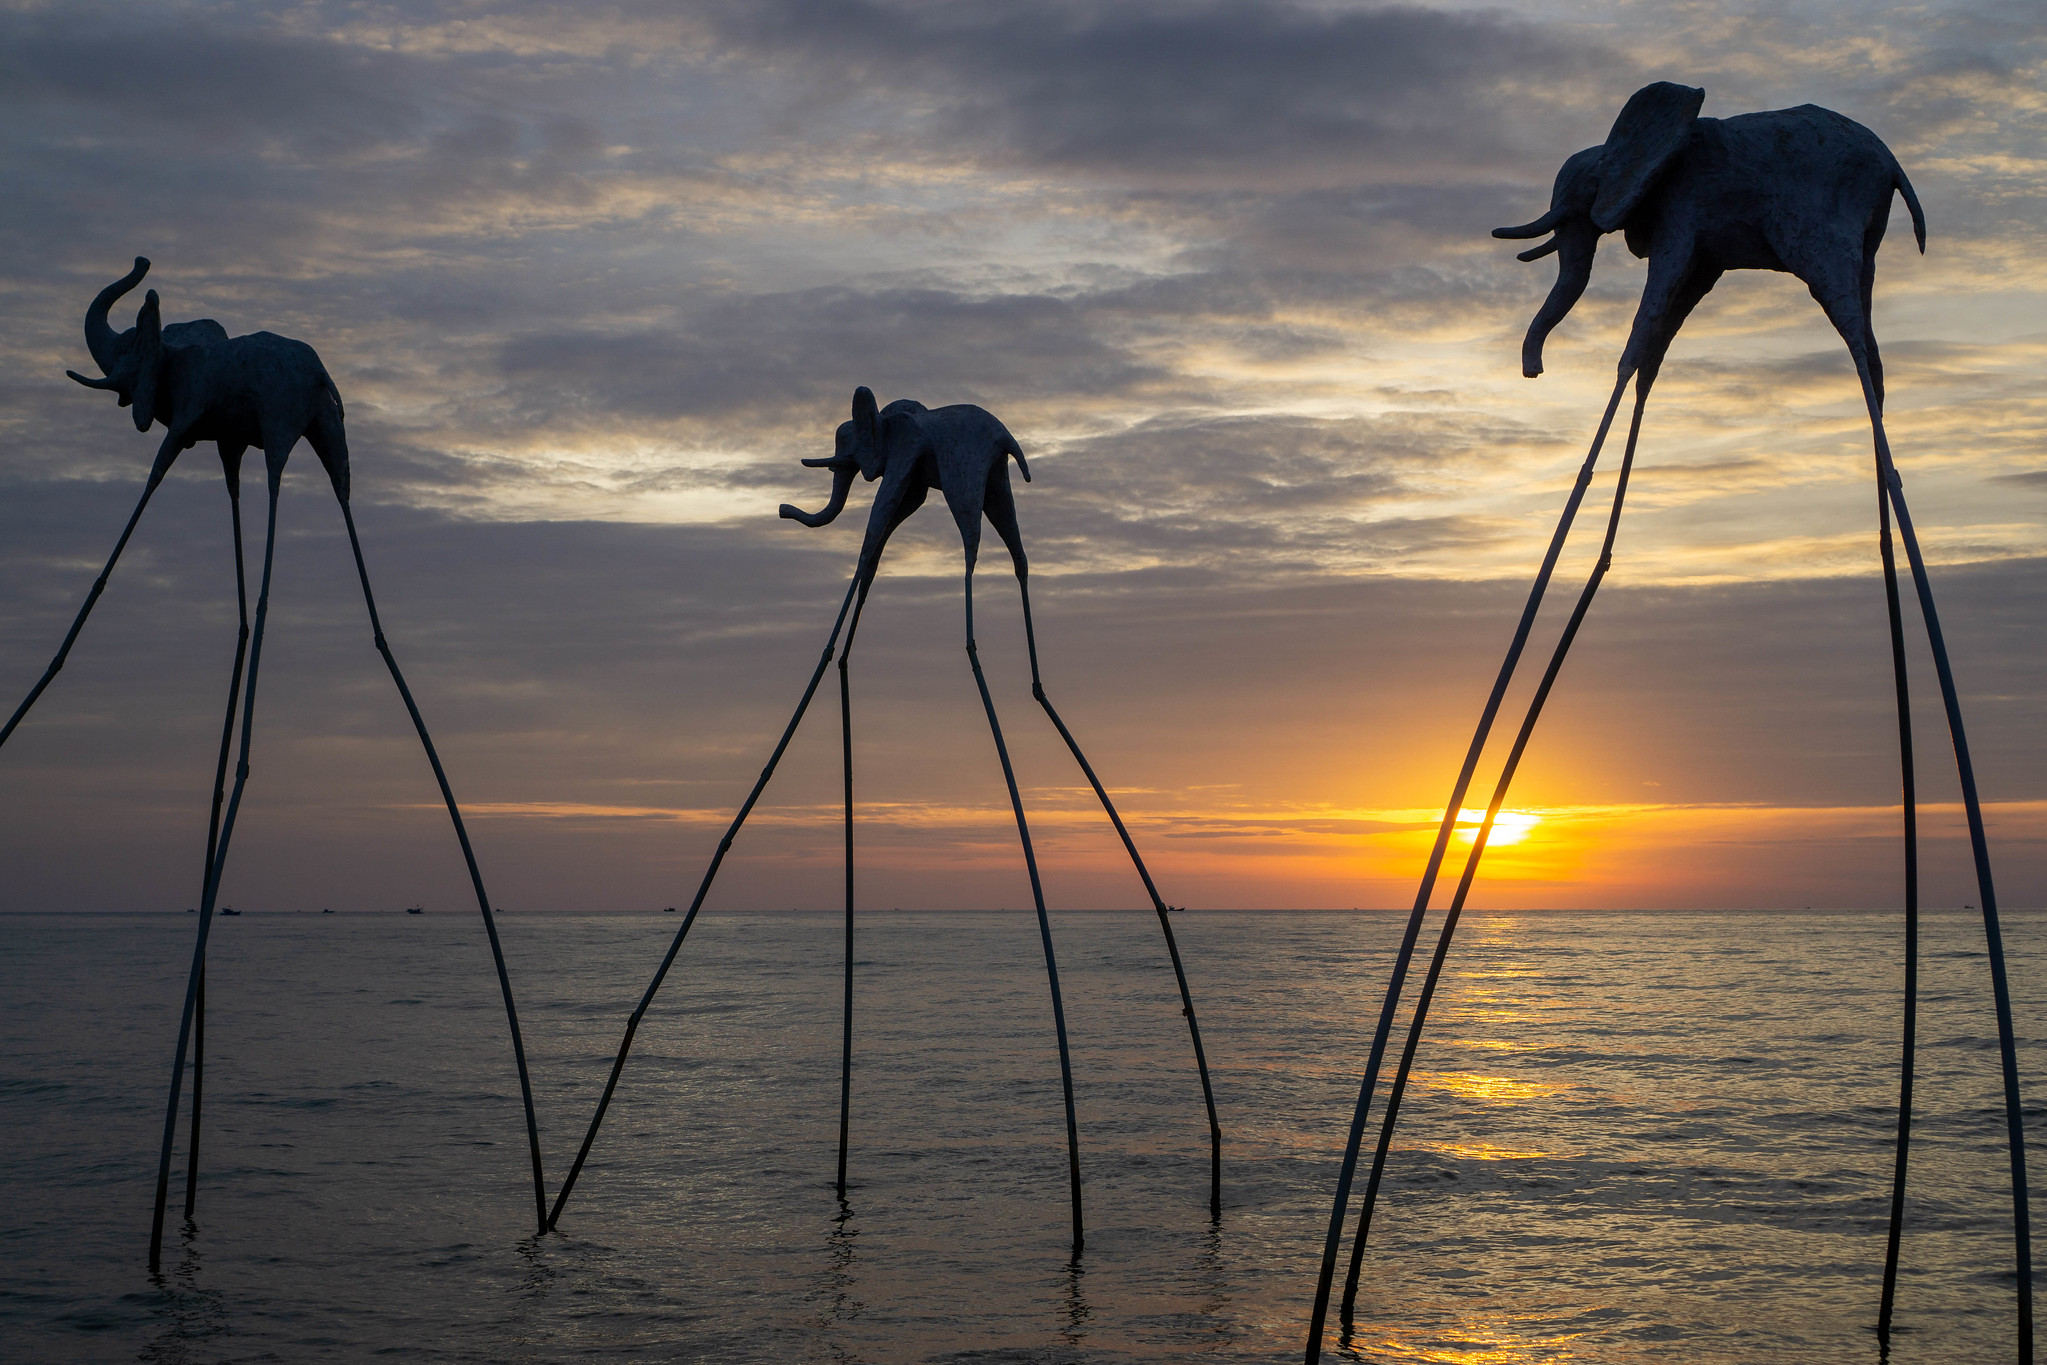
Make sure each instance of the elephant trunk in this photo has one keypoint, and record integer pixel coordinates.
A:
(843, 471)
(100, 337)
(1575, 243)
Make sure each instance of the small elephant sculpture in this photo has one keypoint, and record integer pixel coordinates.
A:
(259, 390)
(1802, 190)
(961, 450)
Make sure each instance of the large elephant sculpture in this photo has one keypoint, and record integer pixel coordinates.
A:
(961, 450)
(259, 390)
(1803, 190)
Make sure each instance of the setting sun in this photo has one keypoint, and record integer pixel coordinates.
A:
(1509, 826)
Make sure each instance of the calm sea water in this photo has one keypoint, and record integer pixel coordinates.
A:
(1637, 1137)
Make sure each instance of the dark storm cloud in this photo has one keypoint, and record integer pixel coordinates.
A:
(1249, 93)
(740, 354)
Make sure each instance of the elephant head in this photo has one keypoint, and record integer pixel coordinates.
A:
(857, 450)
(1596, 192)
(130, 360)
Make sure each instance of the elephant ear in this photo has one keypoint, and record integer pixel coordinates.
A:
(146, 354)
(1652, 128)
(866, 433)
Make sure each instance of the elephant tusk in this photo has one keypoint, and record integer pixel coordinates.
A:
(1535, 229)
(93, 383)
(1536, 253)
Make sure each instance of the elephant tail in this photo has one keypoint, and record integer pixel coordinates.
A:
(1911, 202)
(1010, 447)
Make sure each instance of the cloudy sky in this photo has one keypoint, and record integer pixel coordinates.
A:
(594, 278)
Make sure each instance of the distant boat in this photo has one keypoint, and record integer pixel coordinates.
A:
(229, 910)
(415, 909)
(326, 912)
(190, 911)
(667, 909)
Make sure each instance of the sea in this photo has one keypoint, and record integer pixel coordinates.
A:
(1632, 1137)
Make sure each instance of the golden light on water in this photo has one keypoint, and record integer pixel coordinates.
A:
(1509, 826)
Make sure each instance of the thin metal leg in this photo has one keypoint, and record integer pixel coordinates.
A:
(2022, 1237)
(1215, 1132)
(846, 752)
(1478, 847)
(1023, 830)
(490, 925)
(213, 873)
(1333, 1241)
(227, 735)
(99, 585)
(632, 1026)
(1910, 1027)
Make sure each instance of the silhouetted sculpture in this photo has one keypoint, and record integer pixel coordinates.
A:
(964, 453)
(1804, 191)
(267, 391)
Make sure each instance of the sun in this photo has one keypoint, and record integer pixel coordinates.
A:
(1509, 826)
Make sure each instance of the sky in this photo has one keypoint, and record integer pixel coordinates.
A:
(593, 279)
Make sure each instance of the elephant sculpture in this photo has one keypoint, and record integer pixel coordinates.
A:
(259, 390)
(1802, 190)
(964, 452)
(268, 391)
(960, 450)
(1808, 192)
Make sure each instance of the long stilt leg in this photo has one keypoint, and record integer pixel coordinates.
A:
(1333, 1241)
(1215, 1132)
(227, 735)
(632, 1026)
(2022, 1237)
(1478, 847)
(99, 585)
(1910, 801)
(490, 926)
(1023, 830)
(846, 752)
(275, 462)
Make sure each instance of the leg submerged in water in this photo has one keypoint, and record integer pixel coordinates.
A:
(275, 461)
(1006, 527)
(625, 1043)
(1023, 830)
(1368, 1083)
(490, 926)
(227, 735)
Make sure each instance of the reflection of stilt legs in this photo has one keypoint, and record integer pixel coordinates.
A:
(1023, 830)
(625, 1043)
(212, 891)
(99, 585)
(1215, 1132)
(1980, 847)
(227, 735)
(475, 877)
(1910, 800)
(846, 750)
(1325, 1279)
(1478, 847)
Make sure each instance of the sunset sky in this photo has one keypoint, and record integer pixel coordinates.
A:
(594, 278)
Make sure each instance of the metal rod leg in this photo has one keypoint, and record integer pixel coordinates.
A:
(632, 1026)
(846, 753)
(1215, 1132)
(213, 874)
(490, 926)
(1333, 1241)
(1910, 1024)
(99, 585)
(2022, 1237)
(1478, 847)
(1023, 830)
(227, 735)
